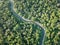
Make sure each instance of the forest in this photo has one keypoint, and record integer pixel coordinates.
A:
(16, 31)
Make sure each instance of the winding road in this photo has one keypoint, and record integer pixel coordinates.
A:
(11, 7)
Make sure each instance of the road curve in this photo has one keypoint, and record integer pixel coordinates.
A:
(11, 7)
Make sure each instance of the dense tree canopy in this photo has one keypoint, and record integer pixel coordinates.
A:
(46, 12)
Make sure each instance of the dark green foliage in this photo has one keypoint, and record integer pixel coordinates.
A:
(13, 32)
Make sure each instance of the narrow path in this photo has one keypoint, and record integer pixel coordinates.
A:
(11, 4)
